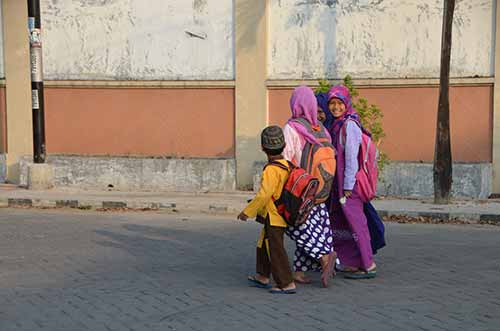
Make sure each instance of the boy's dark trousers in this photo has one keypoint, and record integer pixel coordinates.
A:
(275, 262)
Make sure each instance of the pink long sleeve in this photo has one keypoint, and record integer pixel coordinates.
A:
(294, 145)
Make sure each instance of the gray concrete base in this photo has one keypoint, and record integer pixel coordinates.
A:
(139, 174)
(409, 179)
(257, 174)
(404, 179)
(40, 176)
(3, 168)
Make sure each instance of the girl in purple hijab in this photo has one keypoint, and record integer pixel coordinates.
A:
(313, 239)
(350, 229)
(323, 107)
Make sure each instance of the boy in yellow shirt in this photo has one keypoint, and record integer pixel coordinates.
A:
(272, 258)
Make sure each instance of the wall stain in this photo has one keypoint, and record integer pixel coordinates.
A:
(95, 3)
(329, 3)
(127, 40)
(199, 6)
(363, 32)
(202, 36)
(199, 11)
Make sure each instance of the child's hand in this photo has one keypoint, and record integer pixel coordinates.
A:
(242, 217)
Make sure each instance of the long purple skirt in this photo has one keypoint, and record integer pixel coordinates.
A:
(350, 230)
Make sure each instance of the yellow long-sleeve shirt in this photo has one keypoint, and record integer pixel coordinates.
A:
(273, 180)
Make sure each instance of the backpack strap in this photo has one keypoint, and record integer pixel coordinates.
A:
(280, 165)
(343, 131)
(320, 135)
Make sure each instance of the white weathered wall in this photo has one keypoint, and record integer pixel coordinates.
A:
(377, 38)
(2, 72)
(138, 39)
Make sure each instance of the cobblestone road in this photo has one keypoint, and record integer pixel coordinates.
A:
(70, 270)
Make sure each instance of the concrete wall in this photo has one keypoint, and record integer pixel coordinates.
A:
(140, 121)
(138, 40)
(139, 174)
(3, 122)
(3, 167)
(3, 119)
(410, 120)
(2, 72)
(415, 180)
(18, 102)
(377, 38)
(251, 92)
(408, 179)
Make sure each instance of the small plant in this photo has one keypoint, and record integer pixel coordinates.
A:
(371, 115)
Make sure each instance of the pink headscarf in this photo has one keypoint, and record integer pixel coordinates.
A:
(304, 105)
(342, 92)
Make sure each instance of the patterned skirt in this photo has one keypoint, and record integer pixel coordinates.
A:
(313, 239)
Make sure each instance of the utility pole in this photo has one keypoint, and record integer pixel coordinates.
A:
(35, 30)
(442, 153)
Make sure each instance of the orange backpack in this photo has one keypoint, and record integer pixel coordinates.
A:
(319, 160)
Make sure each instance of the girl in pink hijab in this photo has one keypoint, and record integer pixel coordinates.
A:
(313, 239)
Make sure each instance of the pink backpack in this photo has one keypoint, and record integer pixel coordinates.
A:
(367, 175)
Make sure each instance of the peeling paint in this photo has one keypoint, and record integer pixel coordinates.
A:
(300, 32)
(2, 72)
(377, 38)
(135, 40)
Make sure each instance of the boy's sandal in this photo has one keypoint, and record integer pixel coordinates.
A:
(362, 274)
(254, 282)
(282, 291)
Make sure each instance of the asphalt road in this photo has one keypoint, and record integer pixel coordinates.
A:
(77, 270)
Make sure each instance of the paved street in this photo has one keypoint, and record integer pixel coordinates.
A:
(76, 270)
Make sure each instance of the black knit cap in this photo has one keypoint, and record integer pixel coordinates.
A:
(272, 138)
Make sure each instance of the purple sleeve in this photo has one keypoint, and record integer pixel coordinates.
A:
(353, 142)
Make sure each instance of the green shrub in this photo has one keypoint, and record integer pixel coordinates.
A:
(371, 115)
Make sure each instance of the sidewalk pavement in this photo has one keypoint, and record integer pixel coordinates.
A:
(229, 202)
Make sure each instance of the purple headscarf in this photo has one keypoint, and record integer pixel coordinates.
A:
(323, 104)
(304, 105)
(341, 92)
